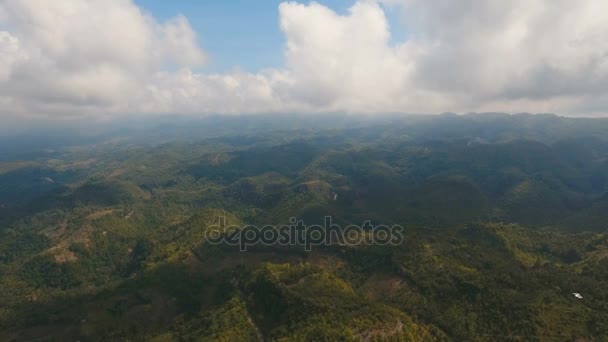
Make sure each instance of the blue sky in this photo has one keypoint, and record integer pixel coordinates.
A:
(226, 28)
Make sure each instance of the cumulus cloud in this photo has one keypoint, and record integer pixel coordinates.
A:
(345, 62)
(74, 57)
(543, 54)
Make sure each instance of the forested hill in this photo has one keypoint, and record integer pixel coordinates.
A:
(103, 236)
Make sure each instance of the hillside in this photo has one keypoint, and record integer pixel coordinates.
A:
(503, 216)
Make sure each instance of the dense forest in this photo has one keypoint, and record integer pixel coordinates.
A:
(505, 217)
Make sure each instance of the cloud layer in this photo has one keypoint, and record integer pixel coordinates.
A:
(108, 58)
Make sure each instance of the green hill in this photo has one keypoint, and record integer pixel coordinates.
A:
(504, 218)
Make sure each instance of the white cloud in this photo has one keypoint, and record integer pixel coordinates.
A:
(342, 62)
(179, 43)
(10, 54)
(545, 55)
(188, 92)
(74, 57)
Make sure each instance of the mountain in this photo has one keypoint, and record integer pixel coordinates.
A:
(503, 218)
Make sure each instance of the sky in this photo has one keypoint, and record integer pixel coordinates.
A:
(244, 26)
(75, 59)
